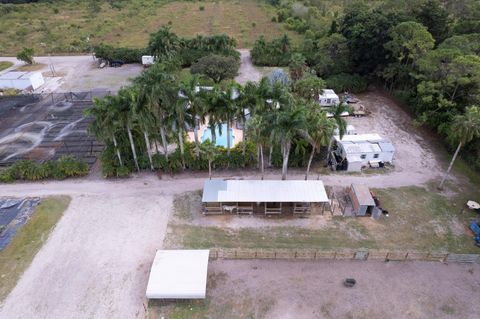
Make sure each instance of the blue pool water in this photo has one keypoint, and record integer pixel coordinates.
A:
(221, 139)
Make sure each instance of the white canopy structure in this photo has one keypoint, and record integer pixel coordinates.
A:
(178, 274)
(263, 191)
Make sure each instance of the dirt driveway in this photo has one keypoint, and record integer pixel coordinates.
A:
(313, 289)
(247, 71)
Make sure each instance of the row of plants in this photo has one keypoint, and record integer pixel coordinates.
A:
(27, 170)
(164, 44)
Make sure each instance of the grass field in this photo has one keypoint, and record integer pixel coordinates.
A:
(420, 220)
(18, 255)
(5, 64)
(69, 26)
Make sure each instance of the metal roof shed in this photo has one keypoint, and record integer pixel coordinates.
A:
(178, 274)
(361, 199)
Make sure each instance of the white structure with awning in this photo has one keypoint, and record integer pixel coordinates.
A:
(178, 274)
(243, 195)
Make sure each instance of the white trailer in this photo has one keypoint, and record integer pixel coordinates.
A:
(328, 98)
(21, 80)
(147, 60)
(353, 152)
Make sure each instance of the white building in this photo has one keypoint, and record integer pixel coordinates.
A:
(21, 80)
(353, 152)
(328, 98)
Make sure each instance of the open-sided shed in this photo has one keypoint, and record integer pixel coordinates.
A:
(178, 274)
(269, 197)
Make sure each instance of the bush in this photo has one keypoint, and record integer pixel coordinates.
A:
(66, 166)
(274, 53)
(26, 55)
(347, 82)
(126, 55)
(201, 8)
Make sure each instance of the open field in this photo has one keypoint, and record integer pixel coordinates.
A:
(419, 220)
(283, 289)
(70, 26)
(18, 255)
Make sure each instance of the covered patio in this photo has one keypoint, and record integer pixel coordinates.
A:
(262, 197)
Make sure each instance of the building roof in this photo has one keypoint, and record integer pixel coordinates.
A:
(363, 195)
(365, 147)
(178, 274)
(386, 146)
(328, 94)
(373, 137)
(264, 191)
(16, 75)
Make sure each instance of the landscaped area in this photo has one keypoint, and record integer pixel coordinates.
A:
(18, 255)
(5, 64)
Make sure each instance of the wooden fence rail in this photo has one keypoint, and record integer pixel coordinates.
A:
(313, 254)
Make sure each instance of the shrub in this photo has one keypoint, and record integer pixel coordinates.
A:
(274, 53)
(201, 8)
(26, 55)
(126, 55)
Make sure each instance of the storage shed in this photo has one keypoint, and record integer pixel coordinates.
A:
(328, 98)
(361, 198)
(260, 196)
(21, 80)
(352, 152)
(178, 274)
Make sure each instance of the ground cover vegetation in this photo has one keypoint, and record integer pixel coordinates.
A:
(426, 53)
(70, 26)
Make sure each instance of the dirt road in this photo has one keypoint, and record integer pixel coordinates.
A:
(247, 71)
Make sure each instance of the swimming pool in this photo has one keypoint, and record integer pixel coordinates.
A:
(221, 139)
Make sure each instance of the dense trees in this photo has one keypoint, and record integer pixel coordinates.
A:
(216, 67)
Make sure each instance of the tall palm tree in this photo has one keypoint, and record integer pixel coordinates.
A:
(341, 123)
(247, 103)
(463, 129)
(289, 122)
(320, 129)
(195, 105)
(258, 132)
(227, 109)
(210, 151)
(125, 115)
(104, 124)
(215, 103)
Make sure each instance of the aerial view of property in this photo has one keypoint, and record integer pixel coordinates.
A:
(239, 159)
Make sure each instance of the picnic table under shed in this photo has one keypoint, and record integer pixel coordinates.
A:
(262, 196)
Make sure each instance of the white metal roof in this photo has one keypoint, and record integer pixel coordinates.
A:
(355, 148)
(374, 137)
(12, 75)
(264, 191)
(178, 274)
(328, 94)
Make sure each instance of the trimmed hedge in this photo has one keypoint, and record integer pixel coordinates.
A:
(126, 55)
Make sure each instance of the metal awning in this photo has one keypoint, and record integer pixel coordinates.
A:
(290, 191)
(178, 274)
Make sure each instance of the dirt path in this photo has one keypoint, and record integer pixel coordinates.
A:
(294, 289)
(247, 71)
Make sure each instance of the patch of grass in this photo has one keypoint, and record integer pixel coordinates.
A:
(75, 27)
(5, 65)
(447, 309)
(18, 255)
(31, 67)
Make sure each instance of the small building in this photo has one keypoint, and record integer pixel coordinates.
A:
(362, 200)
(328, 98)
(21, 80)
(353, 152)
(261, 196)
(147, 60)
(178, 274)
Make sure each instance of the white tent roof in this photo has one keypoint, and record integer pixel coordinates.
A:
(328, 94)
(178, 274)
(264, 191)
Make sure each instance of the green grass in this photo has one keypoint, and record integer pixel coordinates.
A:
(420, 220)
(77, 25)
(18, 255)
(5, 65)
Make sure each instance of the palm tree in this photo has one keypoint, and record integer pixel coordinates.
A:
(248, 100)
(289, 122)
(227, 108)
(320, 129)
(210, 151)
(463, 129)
(104, 124)
(257, 131)
(215, 104)
(337, 112)
(125, 115)
(195, 107)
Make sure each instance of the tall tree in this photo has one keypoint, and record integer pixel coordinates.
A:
(257, 130)
(210, 151)
(216, 67)
(463, 129)
(435, 17)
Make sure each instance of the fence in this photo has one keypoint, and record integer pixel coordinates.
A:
(313, 254)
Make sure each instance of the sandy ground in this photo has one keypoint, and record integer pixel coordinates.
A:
(313, 289)
(247, 71)
(79, 73)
